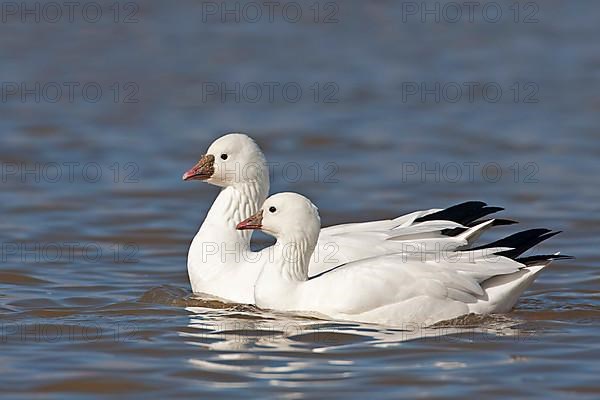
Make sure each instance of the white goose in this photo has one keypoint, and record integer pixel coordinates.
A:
(397, 290)
(221, 263)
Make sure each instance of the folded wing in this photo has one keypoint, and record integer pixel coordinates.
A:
(433, 230)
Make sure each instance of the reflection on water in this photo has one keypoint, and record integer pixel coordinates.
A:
(248, 343)
(96, 222)
(247, 330)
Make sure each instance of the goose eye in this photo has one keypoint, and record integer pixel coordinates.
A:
(272, 209)
(224, 156)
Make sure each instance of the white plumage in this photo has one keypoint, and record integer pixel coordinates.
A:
(397, 289)
(220, 261)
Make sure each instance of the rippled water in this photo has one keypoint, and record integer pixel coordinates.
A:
(96, 222)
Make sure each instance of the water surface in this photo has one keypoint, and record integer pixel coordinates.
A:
(96, 222)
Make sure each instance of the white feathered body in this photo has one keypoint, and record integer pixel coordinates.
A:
(401, 290)
(221, 263)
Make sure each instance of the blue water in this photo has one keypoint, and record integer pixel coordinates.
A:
(371, 116)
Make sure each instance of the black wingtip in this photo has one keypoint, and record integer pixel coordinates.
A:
(532, 260)
(520, 242)
(502, 221)
(463, 213)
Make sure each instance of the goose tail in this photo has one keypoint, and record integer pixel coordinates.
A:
(503, 291)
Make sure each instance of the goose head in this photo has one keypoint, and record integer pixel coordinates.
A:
(288, 216)
(231, 160)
